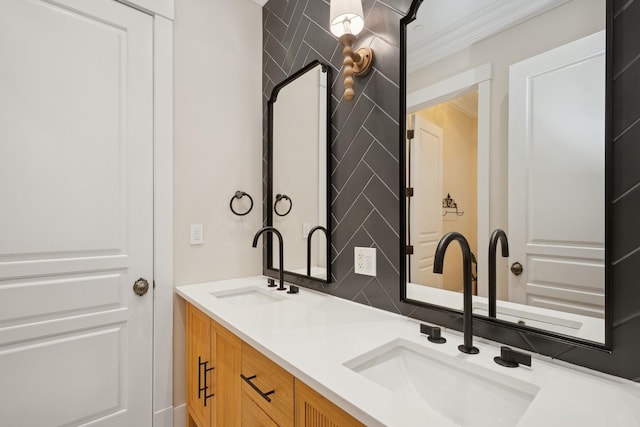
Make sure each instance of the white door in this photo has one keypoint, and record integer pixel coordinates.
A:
(426, 203)
(556, 177)
(76, 224)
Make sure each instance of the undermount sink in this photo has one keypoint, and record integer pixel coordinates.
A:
(250, 296)
(467, 394)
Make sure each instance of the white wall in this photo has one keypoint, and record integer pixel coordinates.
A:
(217, 147)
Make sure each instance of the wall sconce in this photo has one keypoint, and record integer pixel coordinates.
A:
(346, 22)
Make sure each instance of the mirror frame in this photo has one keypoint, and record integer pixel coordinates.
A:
(267, 269)
(529, 338)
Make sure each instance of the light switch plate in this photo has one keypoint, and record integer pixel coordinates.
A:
(364, 261)
(196, 235)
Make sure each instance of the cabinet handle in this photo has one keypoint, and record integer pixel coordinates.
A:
(264, 395)
(202, 389)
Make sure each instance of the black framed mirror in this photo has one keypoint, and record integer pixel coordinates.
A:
(460, 77)
(298, 191)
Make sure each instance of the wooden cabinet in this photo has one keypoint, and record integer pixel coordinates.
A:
(228, 362)
(213, 372)
(314, 410)
(198, 358)
(229, 383)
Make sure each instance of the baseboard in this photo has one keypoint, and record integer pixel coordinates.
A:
(163, 417)
(180, 415)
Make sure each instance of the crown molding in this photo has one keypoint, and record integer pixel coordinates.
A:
(260, 2)
(485, 22)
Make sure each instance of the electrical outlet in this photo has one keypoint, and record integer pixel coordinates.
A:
(196, 234)
(364, 261)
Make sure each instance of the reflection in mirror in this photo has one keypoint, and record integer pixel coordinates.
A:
(297, 186)
(507, 107)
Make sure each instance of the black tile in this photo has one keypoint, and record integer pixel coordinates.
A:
(344, 107)
(275, 50)
(388, 276)
(624, 220)
(344, 260)
(367, 5)
(290, 10)
(625, 360)
(387, 59)
(351, 127)
(351, 191)
(384, 22)
(298, 38)
(626, 108)
(379, 297)
(384, 93)
(351, 222)
(626, 152)
(277, 7)
(321, 41)
(618, 5)
(361, 299)
(385, 201)
(626, 37)
(300, 59)
(275, 27)
(293, 22)
(625, 273)
(385, 235)
(385, 130)
(385, 166)
(273, 70)
(318, 12)
(351, 158)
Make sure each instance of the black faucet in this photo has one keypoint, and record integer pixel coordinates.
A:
(313, 230)
(438, 263)
(273, 230)
(493, 248)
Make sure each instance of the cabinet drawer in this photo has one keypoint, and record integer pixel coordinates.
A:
(252, 415)
(268, 385)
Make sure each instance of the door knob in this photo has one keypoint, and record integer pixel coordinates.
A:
(140, 287)
(516, 268)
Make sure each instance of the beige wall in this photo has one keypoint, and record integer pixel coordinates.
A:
(459, 178)
(217, 146)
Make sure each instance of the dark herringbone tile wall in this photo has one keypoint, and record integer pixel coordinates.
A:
(364, 140)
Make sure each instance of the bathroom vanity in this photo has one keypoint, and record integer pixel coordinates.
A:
(271, 358)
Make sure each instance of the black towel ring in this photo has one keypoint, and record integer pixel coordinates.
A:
(279, 198)
(240, 195)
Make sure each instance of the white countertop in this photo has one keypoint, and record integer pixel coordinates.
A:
(312, 335)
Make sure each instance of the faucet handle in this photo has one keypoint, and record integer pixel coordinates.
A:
(512, 358)
(271, 283)
(293, 289)
(433, 332)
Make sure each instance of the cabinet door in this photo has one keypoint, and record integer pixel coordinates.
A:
(198, 359)
(228, 349)
(314, 410)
